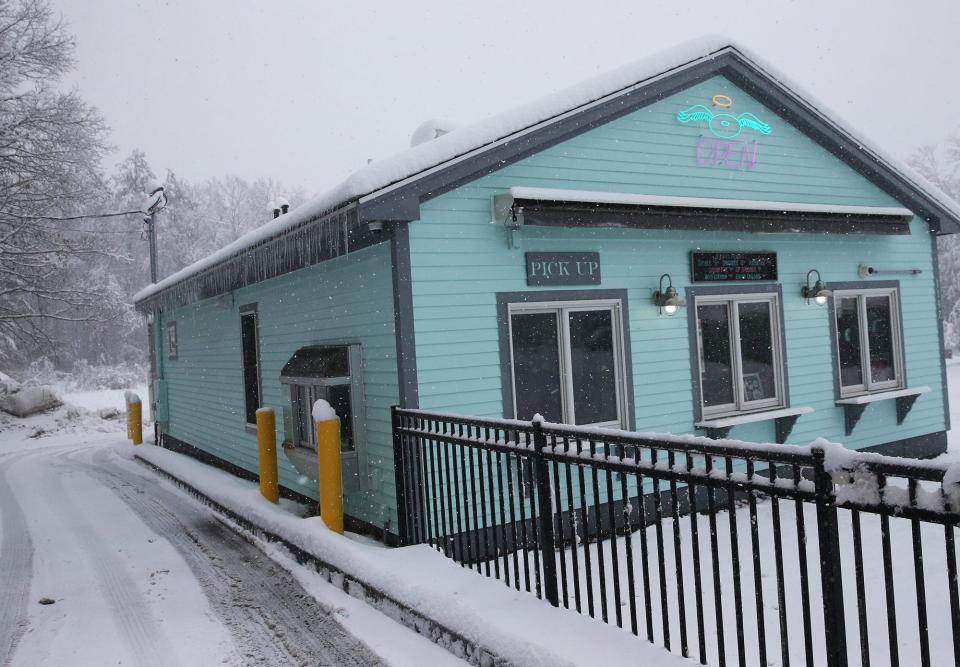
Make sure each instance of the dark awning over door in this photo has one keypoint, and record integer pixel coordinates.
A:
(560, 208)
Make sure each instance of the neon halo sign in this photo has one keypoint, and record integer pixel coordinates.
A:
(723, 149)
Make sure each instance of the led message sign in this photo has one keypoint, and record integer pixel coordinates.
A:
(712, 267)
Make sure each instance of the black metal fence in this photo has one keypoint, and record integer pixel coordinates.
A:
(790, 555)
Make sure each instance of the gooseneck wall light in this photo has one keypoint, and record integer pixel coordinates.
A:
(819, 292)
(667, 300)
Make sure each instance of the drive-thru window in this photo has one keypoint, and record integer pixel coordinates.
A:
(331, 373)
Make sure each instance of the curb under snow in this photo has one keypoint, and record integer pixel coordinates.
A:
(484, 622)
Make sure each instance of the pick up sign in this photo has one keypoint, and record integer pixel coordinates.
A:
(563, 268)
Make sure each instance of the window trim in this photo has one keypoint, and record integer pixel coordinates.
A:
(533, 300)
(859, 289)
(251, 310)
(698, 295)
(358, 405)
(173, 351)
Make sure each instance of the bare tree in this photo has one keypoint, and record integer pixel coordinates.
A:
(51, 146)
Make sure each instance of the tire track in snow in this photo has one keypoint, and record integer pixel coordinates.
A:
(17, 454)
(16, 567)
(271, 618)
(144, 638)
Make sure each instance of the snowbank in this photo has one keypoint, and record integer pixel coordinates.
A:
(83, 376)
(512, 625)
(107, 400)
(7, 384)
(29, 400)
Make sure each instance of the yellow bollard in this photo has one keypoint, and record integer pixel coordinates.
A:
(328, 464)
(134, 418)
(267, 448)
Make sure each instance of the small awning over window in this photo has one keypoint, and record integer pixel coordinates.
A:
(578, 208)
(312, 365)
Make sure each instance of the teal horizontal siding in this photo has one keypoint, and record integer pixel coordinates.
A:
(460, 261)
(348, 299)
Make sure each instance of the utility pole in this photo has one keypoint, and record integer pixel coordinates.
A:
(156, 200)
(153, 204)
(152, 238)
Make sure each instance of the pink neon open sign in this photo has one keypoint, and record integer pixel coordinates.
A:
(712, 152)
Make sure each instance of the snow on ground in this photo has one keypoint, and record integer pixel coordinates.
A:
(111, 576)
(136, 572)
(66, 537)
(941, 637)
(394, 643)
(114, 576)
(99, 399)
(934, 561)
(518, 627)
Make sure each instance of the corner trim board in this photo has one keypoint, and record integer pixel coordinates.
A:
(403, 316)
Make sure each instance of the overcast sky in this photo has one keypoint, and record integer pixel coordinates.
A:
(306, 91)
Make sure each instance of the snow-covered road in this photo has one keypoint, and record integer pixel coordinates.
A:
(141, 574)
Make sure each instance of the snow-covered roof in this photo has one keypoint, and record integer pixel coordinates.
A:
(468, 140)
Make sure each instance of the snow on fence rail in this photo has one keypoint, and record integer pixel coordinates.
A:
(723, 551)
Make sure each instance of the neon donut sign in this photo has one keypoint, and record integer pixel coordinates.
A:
(725, 148)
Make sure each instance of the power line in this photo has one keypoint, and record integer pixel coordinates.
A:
(89, 231)
(73, 217)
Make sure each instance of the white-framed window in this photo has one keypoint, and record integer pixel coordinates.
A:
(567, 361)
(740, 353)
(868, 339)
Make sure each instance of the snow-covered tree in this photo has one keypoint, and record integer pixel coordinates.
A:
(51, 145)
(67, 272)
(941, 166)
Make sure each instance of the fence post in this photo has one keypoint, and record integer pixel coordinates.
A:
(547, 544)
(400, 469)
(831, 575)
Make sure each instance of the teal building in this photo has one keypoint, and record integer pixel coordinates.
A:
(684, 245)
